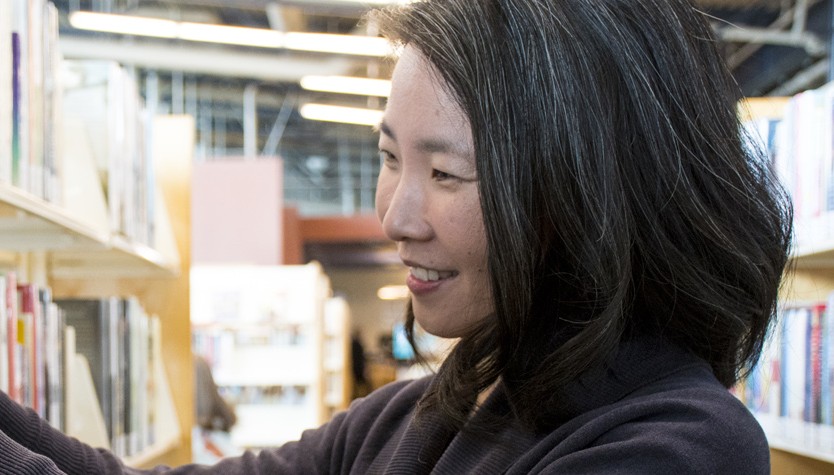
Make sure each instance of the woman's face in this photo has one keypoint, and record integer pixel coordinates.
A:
(427, 199)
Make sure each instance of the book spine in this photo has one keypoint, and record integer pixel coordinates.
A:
(4, 338)
(15, 383)
(20, 87)
(6, 93)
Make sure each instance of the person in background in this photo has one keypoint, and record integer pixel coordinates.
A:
(361, 386)
(213, 412)
(214, 416)
(569, 186)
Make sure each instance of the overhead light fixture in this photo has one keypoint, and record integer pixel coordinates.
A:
(346, 115)
(232, 35)
(344, 44)
(347, 85)
(392, 292)
(124, 24)
(376, 2)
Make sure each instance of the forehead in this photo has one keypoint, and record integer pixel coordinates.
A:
(420, 102)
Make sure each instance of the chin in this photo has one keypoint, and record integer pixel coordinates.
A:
(443, 326)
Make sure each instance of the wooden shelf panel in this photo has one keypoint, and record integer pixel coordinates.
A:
(153, 452)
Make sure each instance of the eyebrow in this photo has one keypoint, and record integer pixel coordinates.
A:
(429, 145)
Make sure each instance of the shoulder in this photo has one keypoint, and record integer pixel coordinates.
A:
(687, 423)
(388, 404)
(701, 424)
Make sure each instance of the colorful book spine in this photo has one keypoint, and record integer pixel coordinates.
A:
(15, 383)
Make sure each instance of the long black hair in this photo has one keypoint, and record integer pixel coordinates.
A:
(618, 196)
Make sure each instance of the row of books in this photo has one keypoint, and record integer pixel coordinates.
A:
(57, 115)
(30, 97)
(32, 357)
(236, 356)
(39, 337)
(794, 377)
(120, 342)
(106, 117)
(799, 141)
(281, 394)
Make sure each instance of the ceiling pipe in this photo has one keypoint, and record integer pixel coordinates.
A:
(798, 36)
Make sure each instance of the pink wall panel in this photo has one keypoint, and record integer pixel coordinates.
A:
(237, 212)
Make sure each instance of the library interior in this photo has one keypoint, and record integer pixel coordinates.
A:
(190, 261)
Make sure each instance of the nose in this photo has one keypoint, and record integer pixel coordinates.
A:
(402, 208)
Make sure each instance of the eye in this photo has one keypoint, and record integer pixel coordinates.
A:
(441, 176)
(388, 159)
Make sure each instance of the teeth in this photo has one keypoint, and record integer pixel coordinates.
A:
(429, 274)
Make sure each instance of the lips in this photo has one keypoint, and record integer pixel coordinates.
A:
(422, 281)
(430, 275)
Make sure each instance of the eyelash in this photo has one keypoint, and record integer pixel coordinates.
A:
(390, 160)
(387, 157)
(441, 176)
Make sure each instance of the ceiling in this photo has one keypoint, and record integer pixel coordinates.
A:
(331, 168)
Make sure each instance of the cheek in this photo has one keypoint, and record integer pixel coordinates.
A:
(383, 197)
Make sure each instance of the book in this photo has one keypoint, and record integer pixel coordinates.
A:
(52, 105)
(34, 82)
(20, 94)
(4, 339)
(35, 369)
(794, 359)
(6, 95)
(91, 319)
(813, 366)
(13, 347)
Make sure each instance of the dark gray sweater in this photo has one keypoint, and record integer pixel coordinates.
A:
(654, 410)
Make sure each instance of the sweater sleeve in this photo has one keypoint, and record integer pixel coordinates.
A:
(330, 447)
(17, 460)
(71, 456)
(313, 453)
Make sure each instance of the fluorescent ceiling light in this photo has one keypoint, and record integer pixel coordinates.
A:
(347, 85)
(344, 44)
(347, 115)
(392, 292)
(233, 35)
(376, 2)
(126, 25)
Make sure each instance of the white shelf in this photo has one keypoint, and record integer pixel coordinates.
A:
(78, 247)
(815, 242)
(29, 223)
(802, 438)
(118, 259)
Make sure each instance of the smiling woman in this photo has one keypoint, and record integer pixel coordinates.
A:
(568, 184)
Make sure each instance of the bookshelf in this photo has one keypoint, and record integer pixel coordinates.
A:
(131, 269)
(799, 138)
(94, 202)
(246, 315)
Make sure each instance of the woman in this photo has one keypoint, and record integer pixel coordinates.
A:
(567, 182)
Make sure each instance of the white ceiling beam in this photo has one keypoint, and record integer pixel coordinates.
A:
(215, 61)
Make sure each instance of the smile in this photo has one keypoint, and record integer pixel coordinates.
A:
(430, 275)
